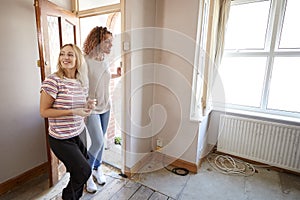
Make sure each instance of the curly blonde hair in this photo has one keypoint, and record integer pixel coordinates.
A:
(80, 65)
(91, 45)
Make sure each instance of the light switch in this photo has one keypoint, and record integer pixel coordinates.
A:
(126, 46)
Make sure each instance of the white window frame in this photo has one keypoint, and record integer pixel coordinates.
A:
(272, 40)
(196, 111)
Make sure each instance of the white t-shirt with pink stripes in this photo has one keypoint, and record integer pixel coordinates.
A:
(67, 94)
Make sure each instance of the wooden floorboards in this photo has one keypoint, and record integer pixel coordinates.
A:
(124, 189)
(116, 188)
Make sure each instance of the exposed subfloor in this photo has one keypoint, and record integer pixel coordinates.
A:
(161, 184)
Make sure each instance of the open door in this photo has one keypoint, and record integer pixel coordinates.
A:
(55, 27)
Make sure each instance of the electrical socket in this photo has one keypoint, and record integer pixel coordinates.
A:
(159, 143)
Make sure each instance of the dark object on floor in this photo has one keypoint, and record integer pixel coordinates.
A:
(123, 175)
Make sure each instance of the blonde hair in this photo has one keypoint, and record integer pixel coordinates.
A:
(91, 45)
(80, 65)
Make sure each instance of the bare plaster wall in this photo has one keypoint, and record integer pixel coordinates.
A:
(161, 35)
(177, 41)
(22, 143)
(139, 75)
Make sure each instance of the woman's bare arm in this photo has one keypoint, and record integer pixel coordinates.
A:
(46, 110)
(118, 74)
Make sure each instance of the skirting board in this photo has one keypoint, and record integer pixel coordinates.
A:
(11, 183)
(129, 172)
(159, 157)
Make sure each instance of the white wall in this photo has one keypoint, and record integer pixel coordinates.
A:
(178, 19)
(22, 143)
(139, 76)
(162, 35)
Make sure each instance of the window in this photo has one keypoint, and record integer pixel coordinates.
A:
(91, 4)
(261, 62)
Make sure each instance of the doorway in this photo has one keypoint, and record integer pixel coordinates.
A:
(57, 26)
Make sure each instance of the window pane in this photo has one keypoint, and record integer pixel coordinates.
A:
(89, 4)
(247, 26)
(290, 30)
(54, 43)
(242, 80)
(68, 33)
(64, 4)
(284, 89)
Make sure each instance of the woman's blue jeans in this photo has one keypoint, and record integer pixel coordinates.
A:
(97, 126)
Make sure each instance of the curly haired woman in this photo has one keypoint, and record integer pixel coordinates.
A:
(96, 46)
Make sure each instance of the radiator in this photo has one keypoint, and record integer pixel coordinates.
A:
(266, 142)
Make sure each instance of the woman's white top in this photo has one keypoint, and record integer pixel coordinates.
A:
(99, 79)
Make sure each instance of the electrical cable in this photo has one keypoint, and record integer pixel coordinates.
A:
(178, 171)
(231, 166)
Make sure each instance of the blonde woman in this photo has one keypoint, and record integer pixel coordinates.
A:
(64, 102)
